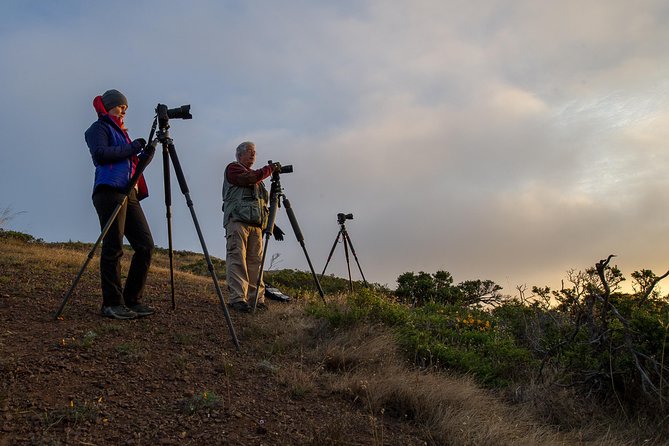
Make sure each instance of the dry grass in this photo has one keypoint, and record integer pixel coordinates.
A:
(453, 409)
(363, 364)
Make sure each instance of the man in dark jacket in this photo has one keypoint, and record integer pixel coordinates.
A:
(115, 158)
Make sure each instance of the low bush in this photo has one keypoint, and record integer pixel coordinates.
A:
(437, 335)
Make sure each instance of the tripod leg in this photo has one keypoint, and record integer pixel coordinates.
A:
(348, 265)
(269, 229)
(189, 202)
(331, 252)
(348, 238)
(260, 273)
(168, 216)
(90, 255)
(300, 238)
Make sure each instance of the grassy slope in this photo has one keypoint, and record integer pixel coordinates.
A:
(176, 378)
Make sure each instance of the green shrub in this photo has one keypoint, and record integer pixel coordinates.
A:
(438, 335)
(199, 267)
(27, 238)
(292, 281)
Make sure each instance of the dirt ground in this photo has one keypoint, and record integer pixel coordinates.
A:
(171, 378)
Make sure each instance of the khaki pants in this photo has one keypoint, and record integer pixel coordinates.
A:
(243, 262)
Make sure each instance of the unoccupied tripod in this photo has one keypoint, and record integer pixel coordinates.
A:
(163, 114)
(343, 233)
(276, 193)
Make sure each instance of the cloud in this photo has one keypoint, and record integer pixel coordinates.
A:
(493, 140)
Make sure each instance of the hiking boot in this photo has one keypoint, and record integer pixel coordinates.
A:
(118, 312)
(142, 310)
(240, 306)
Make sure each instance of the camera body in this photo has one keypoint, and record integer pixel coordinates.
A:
(341, 217)
(288, 168)
(165, 114)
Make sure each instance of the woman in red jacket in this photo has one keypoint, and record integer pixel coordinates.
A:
(115, 158)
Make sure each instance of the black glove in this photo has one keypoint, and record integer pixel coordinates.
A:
(138, 144)
(277, 233)
(149, 151)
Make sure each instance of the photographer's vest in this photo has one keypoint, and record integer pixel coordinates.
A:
(247, 204)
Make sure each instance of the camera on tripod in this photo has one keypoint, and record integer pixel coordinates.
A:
(165, 114)
(278, 168)
(341, 217)
(348, 245)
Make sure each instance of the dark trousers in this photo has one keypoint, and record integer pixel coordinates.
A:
(131, 223)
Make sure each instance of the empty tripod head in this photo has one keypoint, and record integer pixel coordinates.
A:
(341, 217)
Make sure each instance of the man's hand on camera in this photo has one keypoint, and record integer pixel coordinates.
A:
(138, 144)
(278, 233)
(276, 167)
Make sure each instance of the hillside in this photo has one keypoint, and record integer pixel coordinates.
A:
(176, 377)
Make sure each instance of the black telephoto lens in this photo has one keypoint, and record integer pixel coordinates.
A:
(182, 112)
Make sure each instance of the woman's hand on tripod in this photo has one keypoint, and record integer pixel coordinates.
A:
(149, 150)
(138, 144)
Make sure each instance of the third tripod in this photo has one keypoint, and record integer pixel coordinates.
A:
(341, 219)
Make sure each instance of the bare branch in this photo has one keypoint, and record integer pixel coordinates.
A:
(652, 285)
(601, 271)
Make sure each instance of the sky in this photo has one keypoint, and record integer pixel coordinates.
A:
(509, 141)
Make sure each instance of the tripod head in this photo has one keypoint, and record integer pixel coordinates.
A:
(277, 170)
